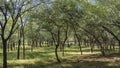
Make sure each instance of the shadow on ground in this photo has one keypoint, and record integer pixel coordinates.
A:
(80, 64)
(73, 62)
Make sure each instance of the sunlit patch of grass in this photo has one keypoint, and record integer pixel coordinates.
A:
(26, 61)
(44, 57)
(29, 62)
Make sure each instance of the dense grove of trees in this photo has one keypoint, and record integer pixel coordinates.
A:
(59, 23)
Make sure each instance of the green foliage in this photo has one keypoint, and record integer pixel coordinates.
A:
(96, 21)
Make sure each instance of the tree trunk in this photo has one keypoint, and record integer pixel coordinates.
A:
(18, 52)
(97, 40)
(56, 54)
(56, 41)
(19, 43)
(11, 46)
(80, 46)
(58, 44)
(4, 53)
(113, 34)
(32, 45)
(8, 47)
(78, 39)
(119, 46)
(91, 49)
(23, 45)
(63, 50)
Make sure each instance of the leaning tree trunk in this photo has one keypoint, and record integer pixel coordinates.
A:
(56, 53)
(78, 39)
(97, 40)
(113, 34)
(56, 40)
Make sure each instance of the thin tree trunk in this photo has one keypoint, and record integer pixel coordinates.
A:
(18, 52)
(32, 45)
(80, 47)
(23, 44)
(8, 47)
(19, 43)
(11, 46)
(63, 44)
(58, 44)
(63, 50)
(56, 54)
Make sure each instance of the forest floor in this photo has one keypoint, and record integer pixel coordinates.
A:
(44, 57)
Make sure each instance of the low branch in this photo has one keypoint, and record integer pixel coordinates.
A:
(109, 31)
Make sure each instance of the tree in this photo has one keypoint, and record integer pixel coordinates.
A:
(10, 10)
